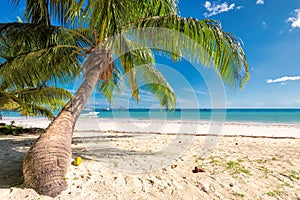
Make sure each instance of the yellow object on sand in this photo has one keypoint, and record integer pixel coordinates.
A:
(77, 161)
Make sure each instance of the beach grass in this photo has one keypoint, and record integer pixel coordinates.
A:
(11, 129)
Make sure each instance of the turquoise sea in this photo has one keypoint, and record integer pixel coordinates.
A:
(286, 116)
(283, 116)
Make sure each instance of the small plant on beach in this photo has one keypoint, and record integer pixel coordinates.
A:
(238, 194)
(213, 159)
(201, 166)
(293, 174)
(116, 165)
(197, 158)
(286, 184)
(236, 168)
(16, 183)
(265, 170)
(11, 130)
(273, 193)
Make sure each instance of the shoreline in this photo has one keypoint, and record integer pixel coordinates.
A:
(170, 127)
(34, 119)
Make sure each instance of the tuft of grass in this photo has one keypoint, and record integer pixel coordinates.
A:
(287, 184)
(236, 167)
(197, 159)
(294, 174)
(213, 159)
(201, 166)
(11, 129)
(273, 193)
(239, 194)
(17, 130)
(116, 165)
(265, 170)
(16, 183)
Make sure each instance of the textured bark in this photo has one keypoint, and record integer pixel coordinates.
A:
(48, 160)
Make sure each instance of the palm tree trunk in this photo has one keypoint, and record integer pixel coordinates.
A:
(48, 160)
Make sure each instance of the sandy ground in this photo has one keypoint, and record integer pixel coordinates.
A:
(119, 163)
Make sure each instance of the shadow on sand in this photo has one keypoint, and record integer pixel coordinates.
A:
(12, 152)
(14, 148)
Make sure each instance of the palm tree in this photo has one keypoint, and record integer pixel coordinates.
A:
(47, 161)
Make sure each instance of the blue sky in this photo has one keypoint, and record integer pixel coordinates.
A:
(270, 31)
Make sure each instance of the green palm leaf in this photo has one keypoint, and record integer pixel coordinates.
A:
(210, 44)
(112, 86)
(34, 101)
(34, 53)
(38, 12)
(153, 81)
(137, 62)
(109, 17)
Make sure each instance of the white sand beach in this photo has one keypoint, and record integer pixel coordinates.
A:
(142, 159)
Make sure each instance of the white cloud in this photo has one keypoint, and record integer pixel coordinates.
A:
(261, 2)
(283, 79)
(239, 7)
(295, 20)
(214, 9)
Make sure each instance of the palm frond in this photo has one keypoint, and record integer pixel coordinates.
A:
(153, 81)
(138, 67)
(35, 110)
(113, 86)
(8, 101)
(109, 17)
(202, 41)
(31, 53)
(128, 62)
(42, 11)
(44, 95)
(132, 55)
(34, 101)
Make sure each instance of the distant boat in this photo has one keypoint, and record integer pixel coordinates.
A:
(106, 109)
(90, 114)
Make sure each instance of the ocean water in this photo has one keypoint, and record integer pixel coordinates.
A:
(283, 116)
(286, 116)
